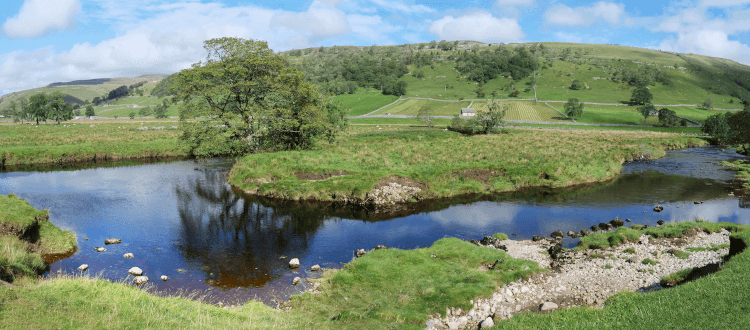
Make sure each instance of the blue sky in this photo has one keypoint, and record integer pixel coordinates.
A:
(45, 41)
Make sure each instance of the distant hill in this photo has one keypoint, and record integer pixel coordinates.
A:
(460, 69)
(81, 82)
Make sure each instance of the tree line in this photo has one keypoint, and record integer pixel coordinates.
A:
(41, 107)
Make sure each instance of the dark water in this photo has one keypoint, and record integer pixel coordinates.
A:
(183, 215)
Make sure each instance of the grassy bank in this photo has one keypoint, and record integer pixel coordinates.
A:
(743, 170)
(26, 237)
(443, 161)
(717, 301)
(80, 141)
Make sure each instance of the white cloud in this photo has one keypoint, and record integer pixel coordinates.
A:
(580, 38)
(562, 15)
(320, 21)
(371, 28)
(401, 7)
(478, 215)
(708, 42)
(479, 26)
(514, 2)
(724, 3)
(37, 17)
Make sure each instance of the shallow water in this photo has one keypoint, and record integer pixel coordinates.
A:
(183, 215)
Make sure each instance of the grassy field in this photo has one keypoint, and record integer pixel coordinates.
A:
(527, 111)
(525, 158)
(78, 141)
(363, 103)
(679, 130)
(411, 108)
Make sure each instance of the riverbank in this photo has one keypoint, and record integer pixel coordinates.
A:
(85, 140)
(28, 241)
(743, 171)
(391, 288)
(387, 165)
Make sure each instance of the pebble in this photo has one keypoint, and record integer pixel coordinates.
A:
(582, 280)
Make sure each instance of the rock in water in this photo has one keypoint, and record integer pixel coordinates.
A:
(594, 228)
(135, 271)
(112, 241)
(315, 268)
(164, 277)
(100, 249)
(140, 280)
(660, 222)
(536, 238)
(617, 222)
(359, 253)
(548, 306)
(294, 263)
(572, 234)
(380, 247)
(604, 226)
(128, 255)
(83, 267)
(658, 208)
(296, 280)
(557, 234)
(585, 232)
(487, 323)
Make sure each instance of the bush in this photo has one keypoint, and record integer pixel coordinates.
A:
(576, 85)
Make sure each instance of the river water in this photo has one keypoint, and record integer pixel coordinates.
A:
(182, 219)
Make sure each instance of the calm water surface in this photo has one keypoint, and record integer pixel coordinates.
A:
(182, 215)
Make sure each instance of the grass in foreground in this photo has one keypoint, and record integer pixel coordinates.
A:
(519, 159)
(78, 141)
(716, 301)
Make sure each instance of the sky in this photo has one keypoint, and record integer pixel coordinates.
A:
(46, 41)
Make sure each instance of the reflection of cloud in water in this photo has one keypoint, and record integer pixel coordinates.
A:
(479, 215)
(716, 211)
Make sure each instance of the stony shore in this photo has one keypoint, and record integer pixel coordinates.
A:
(585, 277)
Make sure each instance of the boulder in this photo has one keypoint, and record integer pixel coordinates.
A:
(604, 226)
(536, 238)
(658, 208)
(83, 267)
(585, 232)
(627, 220)
(548, 306)
(112, 241)
(595, 228)
(572, 234)
(294, 263)
(128, 255)
(135, 271)
(557, 234)
(660, 222)
(140, 280)
(100, 249)
(617, 222)
(696, 202)
(635, 260)
(164, 277)
(296, 280)
(315, 268)
(359, 253)
(554, 251)
(380, 247)
(487, 323)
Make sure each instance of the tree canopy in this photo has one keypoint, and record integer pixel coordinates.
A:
(42, 107)
(245, 98)
(641, 95)
(573, 108)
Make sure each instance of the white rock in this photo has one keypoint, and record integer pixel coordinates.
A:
(112, 241)
(164, 277)
(524, 289)
(487, 323)
(140, 280)
(294, 263)
(296, 280)
(135, 271)
(83, 267)
(128, 255)
(453, 325)
(315, 268)
(100, 249)
(548, 306)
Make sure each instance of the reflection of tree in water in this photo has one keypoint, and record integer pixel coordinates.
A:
(238, 243)
(744, 201)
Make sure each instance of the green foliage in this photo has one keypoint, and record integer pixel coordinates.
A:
(707, 104)
(649, 261)
(641, 95)
(245, 98)
(646, 111)
(573, 108)
(43, 107)
(425, 115)
(487, 65)
(161, 110)
(90, 111)
(629, 250)
(117, 92)
(739, 124)
(714, 247)
(667, 118)
(132, 115)
(486, 121)
(718, 127)
(396, 88)
(576, 85)
(500, 236)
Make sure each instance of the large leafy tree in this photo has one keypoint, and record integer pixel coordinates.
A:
(57, 109)
(244, 97)
(647, 111)
(718, 127)
(667, 117)
(641, 95)
(573, 108)
(38, 109)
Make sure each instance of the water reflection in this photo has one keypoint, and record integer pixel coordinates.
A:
(237, 243)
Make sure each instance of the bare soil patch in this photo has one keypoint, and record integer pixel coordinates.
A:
(315, 176)
(408, 182)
